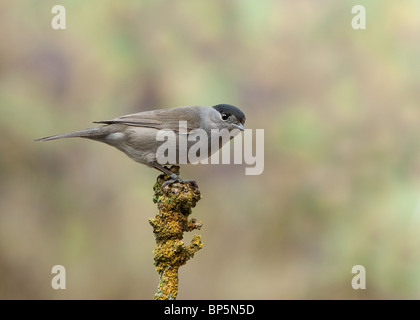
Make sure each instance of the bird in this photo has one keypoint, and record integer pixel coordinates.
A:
(135, 134)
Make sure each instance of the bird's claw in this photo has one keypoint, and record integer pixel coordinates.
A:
(174, 178)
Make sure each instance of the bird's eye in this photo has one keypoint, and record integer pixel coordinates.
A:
(224, 116)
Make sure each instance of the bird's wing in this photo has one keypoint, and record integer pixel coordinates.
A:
(161, 119)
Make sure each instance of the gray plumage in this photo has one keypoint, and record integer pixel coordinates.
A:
(135, 134)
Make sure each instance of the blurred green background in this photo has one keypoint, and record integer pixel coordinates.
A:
(340, 110)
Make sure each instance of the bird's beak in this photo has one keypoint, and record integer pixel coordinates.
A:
(239, 126)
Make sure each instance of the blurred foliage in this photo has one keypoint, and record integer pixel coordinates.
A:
(342, 154)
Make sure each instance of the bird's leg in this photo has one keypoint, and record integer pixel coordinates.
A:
(167, 171)
(171, 173)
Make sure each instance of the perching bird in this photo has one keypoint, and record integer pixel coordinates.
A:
(136, 134)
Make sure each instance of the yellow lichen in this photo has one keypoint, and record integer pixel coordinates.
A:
(174, 202)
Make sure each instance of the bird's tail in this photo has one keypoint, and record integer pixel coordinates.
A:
(91, 133)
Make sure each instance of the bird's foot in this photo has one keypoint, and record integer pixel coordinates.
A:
(174, 178)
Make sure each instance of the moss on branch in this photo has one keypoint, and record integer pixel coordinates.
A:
(174, 202)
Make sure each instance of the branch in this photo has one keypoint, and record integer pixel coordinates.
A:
(174, 202)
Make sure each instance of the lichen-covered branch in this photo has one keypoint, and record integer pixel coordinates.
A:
(174, 203)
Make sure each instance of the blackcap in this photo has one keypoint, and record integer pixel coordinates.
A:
(136, 134)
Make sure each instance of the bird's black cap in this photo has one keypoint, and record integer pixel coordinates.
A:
(231, 110)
